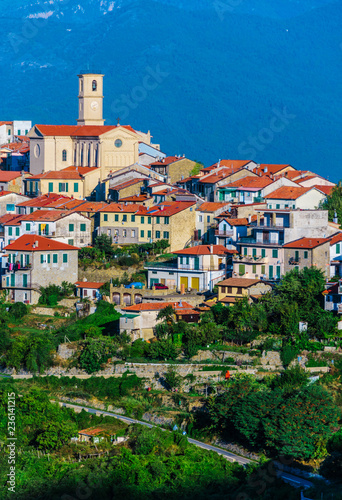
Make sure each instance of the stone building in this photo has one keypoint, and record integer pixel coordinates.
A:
(35, 262)
(232, 289)
(308, 252)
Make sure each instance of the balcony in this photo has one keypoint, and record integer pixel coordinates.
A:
(273, 226)
(250, 259)
(294, 262)
(249, 240)
(228, 233)
(171, 264)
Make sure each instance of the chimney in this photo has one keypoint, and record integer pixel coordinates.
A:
(265, 170)
(249, 219)
(211, 249)
(36, 243)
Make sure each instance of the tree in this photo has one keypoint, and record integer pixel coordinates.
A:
(172, 379)
(197, 168)
(333, 203)
(103, 243)
(19, 310)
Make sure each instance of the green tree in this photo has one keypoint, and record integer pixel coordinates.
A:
(103, 243)
(172, 379)
(333, 203)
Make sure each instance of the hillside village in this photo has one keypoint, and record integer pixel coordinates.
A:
(231, 229)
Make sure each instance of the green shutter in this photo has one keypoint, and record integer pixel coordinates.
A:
(142, 220)
(49, 258)
(60, 187)
(278, 271)
(25, 280)
(75, 187)
(71, 228)
(28, 227)
(254, 269)
(116, 218)
(83, 227)
(338, 248)
(149, 234)
(245, 251)
(158, 220)
(42, 259)
(149, 220)
(10, 231)
(50, 187)
(65, 258)
(46, 228)
(263, 253)
(55, 258)
(13, 279)
(241, 269)
(254, 252)
(66, 187)
(275, 254)
(17, 231)
(270, 272)
(142, 234)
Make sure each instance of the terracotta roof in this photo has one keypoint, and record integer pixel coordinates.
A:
(209, 206)
(91, 431)
(221, 174)
(166, 161)
(271, 168)
(228, 300)
(324, 189)
(206, 250)
(28, 243)
(157, 306)
(288, 193)
(135, 198)
(235, 164)
(187, 312)
(90, 206)
(240, 222)
(79, 131)
(239, 282)
(89, 284)
(19, 147)
(7, 176)
(6, 123)
(45, 215)
(7, 218)
(307, 243)
(68, 204)
(3, 192)
(335, 239)
(43, 200)
(121, 208)
(169, 208)
(250, 182)
(127, 184)
(66, 173)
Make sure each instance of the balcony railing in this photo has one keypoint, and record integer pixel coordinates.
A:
(294, 262)
(250, 259)
(228, 233)
(254, 241)
(273, 226)
(172, 264)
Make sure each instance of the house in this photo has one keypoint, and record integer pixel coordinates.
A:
(9, 200)
(229, 230)
(261, 254)
(76, 182)
(15, 156)
(246, 190)
(127, 224)
(36, 261)
(10, 129)
(233, 289)
(44, 201)
(140, 320)
(206, 215)
(197, 268)
(130, 187)
(63, 226)
(92, 435)
(268, 168)
(90, 143)
(333, 297)
(12, 181)
(308, 252)
(88, 290)
(336, 255)
(308, 198)
(209, 184)
(173, 168)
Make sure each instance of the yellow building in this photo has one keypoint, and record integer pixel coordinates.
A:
(232, 289)
(88, 144)
(76, 182)
(128, 224)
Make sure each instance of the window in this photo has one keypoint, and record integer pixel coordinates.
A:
(94, 86)
(9, 132)
(277, 206)
(149, 234)
(230, 289)
(338, 248)
(263, 269)
(254, 270)
(10, 231)
(142, 234)
(142, 220)
(116, 218)
(75, 187)
(187, 260)
(166, 235)
(149, 220)
(10, 207)
(124, 218)
(181, 260)
(158, 220)
(17, 231)
(64, 155)
(296, 255)
(26, 132)
(55, 258)
(25, 280)
(124, 233)
(70, 242)
(105, 217)
(254, 252)
(133, 233)
(42, 259)
(132, 218)
(275, 254)
(306, 254)
(157, 234)
(245, 251)
(200, 218)
(63, 187)
(19, 131)
(208, 219)
(71, 228)
(83, 228)
(278, 272)
(28, 227)
(263, 253)
(48, 258)
(166, 220)
(199, 234)
(118, 143)
(65, 258)
(241, 269)
(270, 272)
(239, 290)
(50, 187)
(12, 279)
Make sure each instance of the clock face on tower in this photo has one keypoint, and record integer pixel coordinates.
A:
(94, 105)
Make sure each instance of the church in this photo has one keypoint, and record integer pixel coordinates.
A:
(90, 143)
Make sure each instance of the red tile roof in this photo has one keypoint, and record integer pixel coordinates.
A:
(69, 173)
(157, 306)
(324, 189)
(45, 215)
(79, 131)
(240, 222)
(121, 208)
(239, 282)
(232, 164)
(307, 243)
(205, 250)
(34, 243)
(250, 182)
(123, 185)
(7, 176)
(169, 208)
(272, 168)
(44, 200)
(7, 218)
(6, 123)
(90, 206)
(135, 198)
(288, 193)
(221, 174)
(89, 284)
(166, 161)
(209, 206)
(19, 147)
(3, 192)
(337, 238)
(91, 431)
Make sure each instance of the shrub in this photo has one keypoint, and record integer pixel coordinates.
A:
(19, 310)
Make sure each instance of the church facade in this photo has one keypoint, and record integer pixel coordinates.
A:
(90, 143)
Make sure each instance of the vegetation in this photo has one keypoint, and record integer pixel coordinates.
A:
(52, 294)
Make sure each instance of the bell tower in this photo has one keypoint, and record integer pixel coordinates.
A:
(90, 97)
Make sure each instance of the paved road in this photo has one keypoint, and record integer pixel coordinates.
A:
(232, 457)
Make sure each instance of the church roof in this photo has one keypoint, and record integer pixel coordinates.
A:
(79, 131)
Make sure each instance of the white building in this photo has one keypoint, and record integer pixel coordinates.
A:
(8, 130)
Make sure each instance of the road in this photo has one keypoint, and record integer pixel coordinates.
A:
(232, 457)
